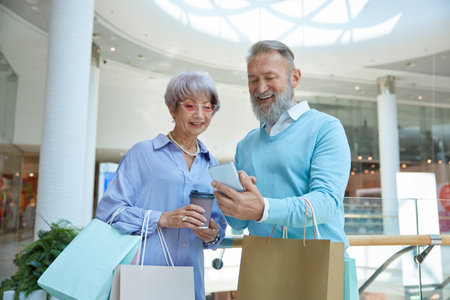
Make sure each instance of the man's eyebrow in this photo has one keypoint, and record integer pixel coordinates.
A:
(264, 74)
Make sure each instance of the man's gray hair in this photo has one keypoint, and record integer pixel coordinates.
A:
(272, 45)
(190, 84)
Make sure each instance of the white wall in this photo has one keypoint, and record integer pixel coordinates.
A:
(131, 101)
(30, 66)
(132, 108)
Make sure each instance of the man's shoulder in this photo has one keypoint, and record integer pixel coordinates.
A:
(320, 115)
(251, 135)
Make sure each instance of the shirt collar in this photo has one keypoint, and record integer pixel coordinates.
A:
(161, 141)
(299, 109)
(294, 112)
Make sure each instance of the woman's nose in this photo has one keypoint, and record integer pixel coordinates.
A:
(199, 111)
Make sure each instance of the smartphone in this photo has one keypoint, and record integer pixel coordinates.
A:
(226, 174)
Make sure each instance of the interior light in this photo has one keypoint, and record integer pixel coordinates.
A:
(439, 161)
(372, 172)
(31, 174)
(357, 87)
(419, 97)
(403, 166)
(436, 297)
(429, 160)
(366, 171)
(352, 173)
(112, 49)
(369, 158)
(359, 157)
(17, 174)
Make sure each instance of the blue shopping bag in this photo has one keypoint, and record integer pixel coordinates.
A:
(350, 280)
(84, 269)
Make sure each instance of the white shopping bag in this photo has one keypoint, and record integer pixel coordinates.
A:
(153, 282)
(139, 282)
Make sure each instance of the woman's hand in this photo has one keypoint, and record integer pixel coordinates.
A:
(208, 234)
(190, 216)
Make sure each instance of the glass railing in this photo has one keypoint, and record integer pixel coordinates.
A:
(387, 265)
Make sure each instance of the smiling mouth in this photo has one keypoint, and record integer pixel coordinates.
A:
(197, 123)
(265, 98)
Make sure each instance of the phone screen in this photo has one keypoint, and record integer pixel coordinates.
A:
(226, 174)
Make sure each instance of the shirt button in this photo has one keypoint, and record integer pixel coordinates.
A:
(184, 245)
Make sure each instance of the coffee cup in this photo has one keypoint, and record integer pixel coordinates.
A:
(205, 200)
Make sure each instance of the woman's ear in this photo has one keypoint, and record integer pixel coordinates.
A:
(171, 112)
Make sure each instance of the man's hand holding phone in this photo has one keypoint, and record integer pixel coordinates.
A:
(246, 205)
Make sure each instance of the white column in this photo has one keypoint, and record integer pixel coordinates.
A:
(389, 151)
(63, 146)
(91, 135)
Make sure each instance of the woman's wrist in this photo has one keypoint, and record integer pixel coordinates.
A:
(215, 240)
(162, 218)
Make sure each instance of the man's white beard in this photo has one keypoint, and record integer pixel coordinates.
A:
(269, 113)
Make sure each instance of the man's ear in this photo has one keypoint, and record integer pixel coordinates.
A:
(295, 78)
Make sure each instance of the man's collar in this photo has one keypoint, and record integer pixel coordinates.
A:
(294, 112)
(299, 109)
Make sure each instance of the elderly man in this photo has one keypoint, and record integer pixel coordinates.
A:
(297, 153)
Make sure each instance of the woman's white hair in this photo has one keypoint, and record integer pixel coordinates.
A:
(190, 84)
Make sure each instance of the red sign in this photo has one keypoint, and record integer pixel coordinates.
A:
(444, 196)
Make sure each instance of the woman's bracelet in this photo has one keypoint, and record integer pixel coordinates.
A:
(213, 241)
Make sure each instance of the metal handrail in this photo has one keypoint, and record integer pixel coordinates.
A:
(364, 240)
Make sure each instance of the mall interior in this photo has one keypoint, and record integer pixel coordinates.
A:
(83, 81)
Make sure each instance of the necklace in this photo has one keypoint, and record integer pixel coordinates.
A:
(182, 147)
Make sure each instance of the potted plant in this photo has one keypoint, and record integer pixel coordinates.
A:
(34, 259)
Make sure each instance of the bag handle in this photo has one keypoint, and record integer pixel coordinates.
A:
(313, 217)
(144, 231)
(115, 214)
(140, 260)
(164, 247)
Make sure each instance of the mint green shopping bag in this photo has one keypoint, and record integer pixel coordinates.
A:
(84, 269)
(350, 280)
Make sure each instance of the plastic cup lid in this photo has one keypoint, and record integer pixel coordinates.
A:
(202, 195)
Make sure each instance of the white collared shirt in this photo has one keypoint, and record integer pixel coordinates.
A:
(286, 119)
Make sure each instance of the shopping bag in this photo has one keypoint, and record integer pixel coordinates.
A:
(277, 268)
(143, 282)
(350, 280)
(153, 282)
(84, 269)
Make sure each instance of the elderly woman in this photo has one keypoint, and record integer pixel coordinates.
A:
(160, 173)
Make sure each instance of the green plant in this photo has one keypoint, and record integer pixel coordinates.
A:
(34, 259)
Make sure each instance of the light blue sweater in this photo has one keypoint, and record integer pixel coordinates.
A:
(310, 159)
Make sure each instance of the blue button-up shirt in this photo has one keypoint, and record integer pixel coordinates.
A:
(153, 175)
